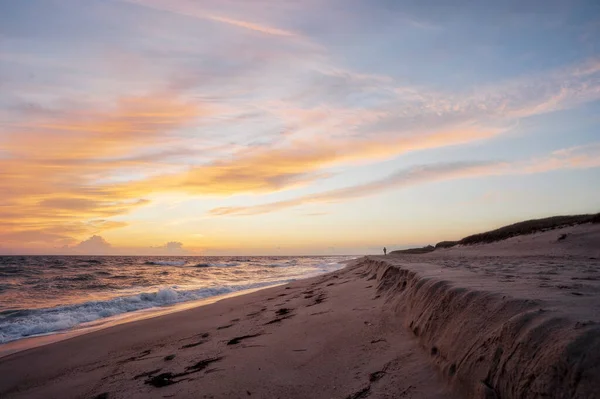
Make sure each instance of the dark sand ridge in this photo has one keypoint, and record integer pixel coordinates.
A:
(519, 325)
(514, 318)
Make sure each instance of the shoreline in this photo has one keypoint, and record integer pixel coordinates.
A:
(35, 340)
(108, 322)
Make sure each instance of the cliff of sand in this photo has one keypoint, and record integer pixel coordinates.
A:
(518, 318)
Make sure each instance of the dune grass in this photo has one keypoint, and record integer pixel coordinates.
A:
(422, 250)
(529, 227)
(512, 230)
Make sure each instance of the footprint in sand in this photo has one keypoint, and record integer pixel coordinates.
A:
(225, 326)
(363, 393)
(200, 342)
(170, 378)
(146, 374)
(283, 314)
(318, 313)
(319, 299)
(141, 356)
(256, 313)
(237, 340)
(376, 376)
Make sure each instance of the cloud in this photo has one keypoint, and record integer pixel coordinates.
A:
(93, 134)
(170, 248)
(190, 10)
(579, 157)
(269, 169)
(319, 137)
(95, 245)
(582, 157)
(176, 113)
(543, 93)
(98, 245)
(251, 26)
(101, 163)
(18, 237)
(72, 153)
(402, 178)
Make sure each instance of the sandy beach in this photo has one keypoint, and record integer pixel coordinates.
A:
(516, 318)
(324, 337)
(299, 199)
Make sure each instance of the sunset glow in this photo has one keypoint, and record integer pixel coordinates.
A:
(290, 127)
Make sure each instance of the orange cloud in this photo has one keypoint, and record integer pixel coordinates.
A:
(583, 157)
(264, 170)
(402, 178)
(51, 167)
(191, 10)
(94, 134)
(60, 173)
(251, 26)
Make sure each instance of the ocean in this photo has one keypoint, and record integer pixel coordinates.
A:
(42, 295)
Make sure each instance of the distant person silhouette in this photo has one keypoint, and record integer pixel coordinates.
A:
(384, 251)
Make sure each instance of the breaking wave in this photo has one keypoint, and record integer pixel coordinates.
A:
(166, 262)
(17, 324)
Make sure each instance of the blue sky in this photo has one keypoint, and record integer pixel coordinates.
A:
(291, 127)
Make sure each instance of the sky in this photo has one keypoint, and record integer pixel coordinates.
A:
(290, 127)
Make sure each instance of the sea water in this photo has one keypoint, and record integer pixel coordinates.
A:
(49, 294)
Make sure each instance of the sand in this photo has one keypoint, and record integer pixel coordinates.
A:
(514, 319)
(326, 337)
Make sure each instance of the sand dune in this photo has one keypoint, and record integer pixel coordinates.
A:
(517, 318)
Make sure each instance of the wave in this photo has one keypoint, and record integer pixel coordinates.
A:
(285, 264)
(10, 270)
(23, 323)
(81, 277)
(225, 264)
(166, 262)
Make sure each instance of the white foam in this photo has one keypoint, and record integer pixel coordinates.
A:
(226, 264)
(166, 262)
(44, 321)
